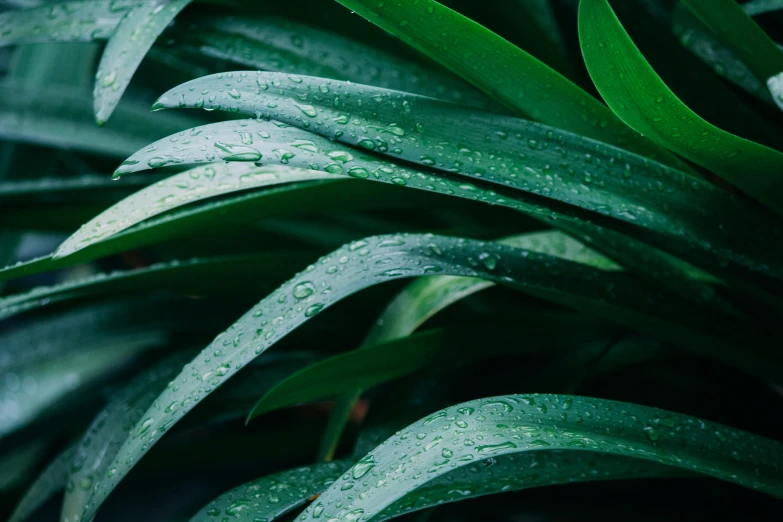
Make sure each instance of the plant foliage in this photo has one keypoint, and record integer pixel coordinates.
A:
(397, 255)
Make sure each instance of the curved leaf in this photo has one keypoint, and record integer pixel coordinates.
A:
(698, 39)
(638, 96)
(132, 39)
(277, 44)
(728, 20)
(757, 7)
(315, 196)
(272, 496)
(509, 152)
(46, 485)
(506, 474)
(427, 296)
(77, 21)
(58, 116)
(499, 68)
(231, 275)
(441, 349)
(181, 189)
(520, 425)
(361, 264)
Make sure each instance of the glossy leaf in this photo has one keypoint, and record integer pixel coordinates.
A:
(272, 496)
(500, 69)
(277, 44)
(182, 189)
(427, 296)
(643, 101)
(367, 262)
(521, 425)
(555, 165)
(246, 503)
(131, 40)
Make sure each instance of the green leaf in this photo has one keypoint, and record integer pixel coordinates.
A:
(555, 165)
(182, 189)
(607, 295)
(698, 39)
(775, 86)
(45, 486)
(467, 433)
(59, 116)
(508, 473)
(132, 39)
(729, 22)
(233, 275)
(315, 196)
(272, 496)
(78, 21)
(375, 364)
(757, 7)
(638, 96)
(427, 296)
(536, 469)
(277, 44)
(504, 71)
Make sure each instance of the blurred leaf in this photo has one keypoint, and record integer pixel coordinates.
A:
(132, 39)
(58, 116)
(641, 99)
(757, 7)
(727, 20)
(45, 486)
(232, 275)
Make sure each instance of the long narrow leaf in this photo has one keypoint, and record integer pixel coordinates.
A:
(522, 425)
(127, 46)
(503, 71)
(367, 262)
(643, 101)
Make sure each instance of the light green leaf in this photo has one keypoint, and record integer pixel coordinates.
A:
(757, 7)
(181, 189)
(638, 96)
(504, 71)
(272, 496)
(77, 21)
(318, 196)
(775, 86)
(427, 296)
(467, 433)
(132, 39)
(555, 165)
(607, 295)
(504, 475)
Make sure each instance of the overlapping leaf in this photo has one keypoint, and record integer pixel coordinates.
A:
(468, 433)
(367, 262)
(638, 96)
